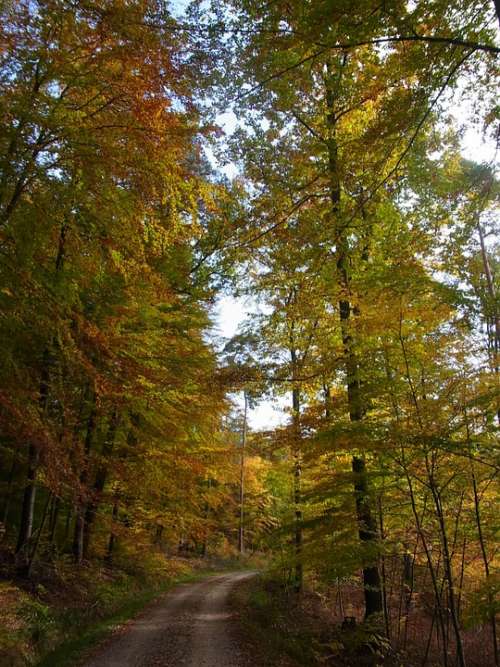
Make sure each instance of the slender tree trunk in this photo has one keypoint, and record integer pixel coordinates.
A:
(207, 515)
(112, 536)
(448, 573)
(8, 497)
(461, 580)
(241, 535)
(423, 539)
(297, 464)
(297, 489)
(493, 299)
(67, 526)
(484, 553)
(79, 534)
(54, 518)
(31, 557)
(100, 481)
(489, 281)
(29, 496)
(383, 569)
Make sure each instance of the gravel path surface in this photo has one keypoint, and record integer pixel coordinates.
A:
(191, 627)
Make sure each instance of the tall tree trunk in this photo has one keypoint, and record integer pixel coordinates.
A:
(54, 518)
(33, 551)
(29, 495)
(482, 543)
(493, 298)
(297, 485)
(100, 481)
(241, 536)
(8, 495)
(367, 523)
(112, 536)
(79, 534)
(448, 573)
(383, 569)
(368, 534)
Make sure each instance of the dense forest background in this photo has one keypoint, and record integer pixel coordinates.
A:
(349, 213)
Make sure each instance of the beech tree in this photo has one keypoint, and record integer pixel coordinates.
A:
(356, 224)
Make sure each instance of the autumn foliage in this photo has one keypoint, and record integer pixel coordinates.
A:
(363, 240)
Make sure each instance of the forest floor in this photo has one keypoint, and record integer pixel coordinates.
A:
(309, 630)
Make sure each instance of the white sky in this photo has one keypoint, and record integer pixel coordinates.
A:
(229, 313)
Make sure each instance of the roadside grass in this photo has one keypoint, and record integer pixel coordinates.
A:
(74, 647)
(267, 616)
(81, 640)
(58, 615)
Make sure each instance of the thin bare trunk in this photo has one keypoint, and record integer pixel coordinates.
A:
(112, 535)
(383, 569)
(99, 483)
(297, 485)
(79, 534)
(31, 557)
(54, 518)
(482, 543)
(493, 299)
(428, 556)
(29, 497)
(448, 570)
(8, 496)
(241, 535)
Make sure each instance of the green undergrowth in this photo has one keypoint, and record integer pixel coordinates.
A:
(295, 631)
(51, 621)
(273, 622)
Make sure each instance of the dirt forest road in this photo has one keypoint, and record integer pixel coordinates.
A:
(191, 627)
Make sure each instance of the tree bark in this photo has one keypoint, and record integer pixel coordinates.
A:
(497, 9)
(448, 573)
(32, 555)
(8, 497)
(112, 536)
(368, 533)
(493, 298)
(297, 487)
(29, 496)
(79, 534)
(100, 481)
(241, 535)
(482, 543)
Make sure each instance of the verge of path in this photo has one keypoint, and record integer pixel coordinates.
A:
(190, 626)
